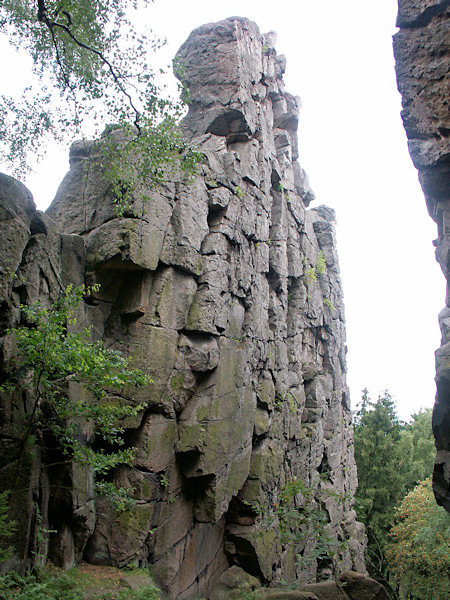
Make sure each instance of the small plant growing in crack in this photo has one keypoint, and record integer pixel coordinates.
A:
(239, 192)
(163, 481)
(310, 276)
(321, 267)
(327, 302)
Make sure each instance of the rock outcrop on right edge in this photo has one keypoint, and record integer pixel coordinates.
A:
(422, 50)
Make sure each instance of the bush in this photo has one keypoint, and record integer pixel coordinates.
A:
(51, 584)
(419, 553)
(54, 352)
(7, 527)
(42, 586)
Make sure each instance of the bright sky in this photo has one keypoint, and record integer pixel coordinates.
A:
(353, 146)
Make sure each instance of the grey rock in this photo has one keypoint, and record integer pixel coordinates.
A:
(417, 13)
(326, 590)
(208, 288)
(422, 52)
(360, 587)
(233, 584)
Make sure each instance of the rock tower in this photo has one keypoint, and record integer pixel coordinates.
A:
(422, 53)
(226, 292)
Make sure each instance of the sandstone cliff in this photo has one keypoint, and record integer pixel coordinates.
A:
(226, 291)
(422, 53)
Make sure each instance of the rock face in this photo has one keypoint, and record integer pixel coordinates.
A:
(226, 291)
(422, 52)
(234, 583)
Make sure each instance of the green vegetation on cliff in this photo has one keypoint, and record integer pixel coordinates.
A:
(83, 583)
(72, 383)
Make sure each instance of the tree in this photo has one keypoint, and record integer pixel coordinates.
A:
(419, 552)
(91, 65)
(52, 357)
(391, 457)
(419, 433)
(380, 463)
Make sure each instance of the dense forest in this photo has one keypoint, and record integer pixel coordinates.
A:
(408, 534)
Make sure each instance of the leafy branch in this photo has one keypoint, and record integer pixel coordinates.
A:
(92, 68)
(52, 25)
(52, 356)
(301, 521)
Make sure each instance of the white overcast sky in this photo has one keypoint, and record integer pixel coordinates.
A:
(353, 146)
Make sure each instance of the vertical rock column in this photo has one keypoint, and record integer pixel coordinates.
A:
(422, 54)
(226, 291)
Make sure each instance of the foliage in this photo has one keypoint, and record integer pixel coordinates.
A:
(310, 276)
(52, 357)
(91, 66)
(164, 482)
(329, 304)
(240, 192)
(321, 267)
(118, 497)
(149, 592)
(39, 586)
(7, 527)
(391, 457)
(419, 553)
(51, 584)
(135, 163)
(380, 462)
(308, 522)
(300, 519)
(417, 435)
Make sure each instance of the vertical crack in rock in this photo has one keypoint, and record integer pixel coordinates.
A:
(422, 53)
(227, 294)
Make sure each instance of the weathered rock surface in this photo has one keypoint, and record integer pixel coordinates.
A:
(360, 587)
(235, 583)
(422, 52)
(226, 292)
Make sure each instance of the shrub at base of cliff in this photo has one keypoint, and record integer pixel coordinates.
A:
(7, 527)
(419, 554)
(301, 523)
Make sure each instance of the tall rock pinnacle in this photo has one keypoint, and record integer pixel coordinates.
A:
(226, 292)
